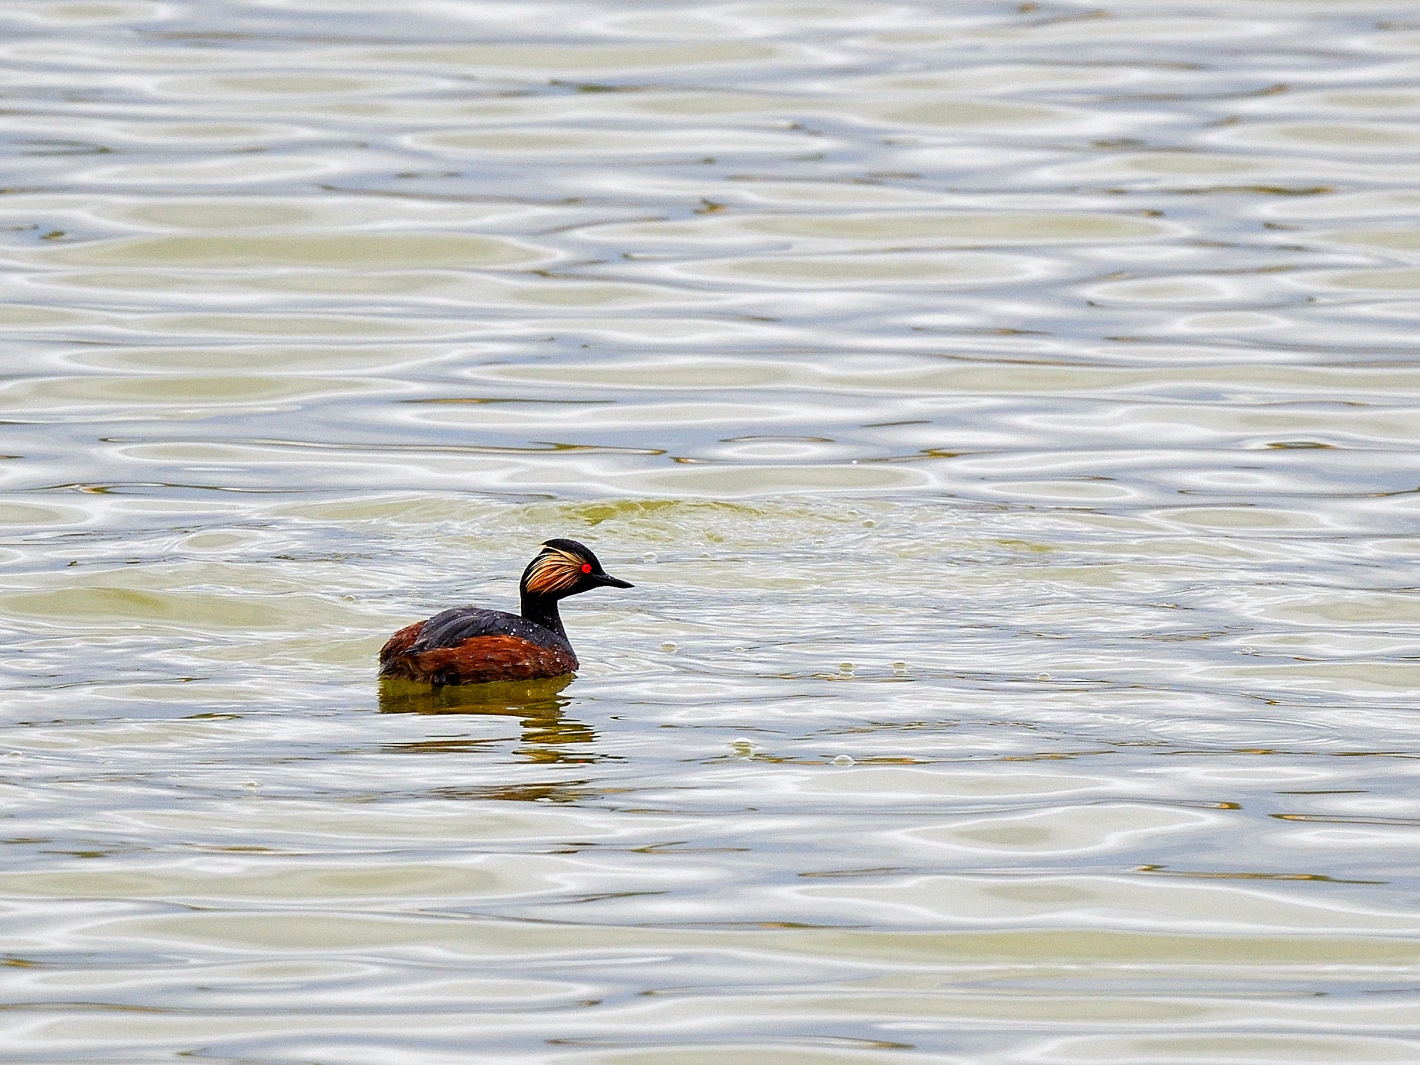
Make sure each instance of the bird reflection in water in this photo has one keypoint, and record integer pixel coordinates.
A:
(547, 736)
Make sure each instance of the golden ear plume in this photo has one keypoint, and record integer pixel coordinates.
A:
(555, 570)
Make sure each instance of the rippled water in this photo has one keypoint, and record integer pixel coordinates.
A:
(1008, 415)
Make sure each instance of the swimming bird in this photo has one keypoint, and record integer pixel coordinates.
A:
(469, 645)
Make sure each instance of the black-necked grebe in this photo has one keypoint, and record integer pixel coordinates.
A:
(467, 645)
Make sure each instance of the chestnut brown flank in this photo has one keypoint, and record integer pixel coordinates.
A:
(401, 641)
(475, 661)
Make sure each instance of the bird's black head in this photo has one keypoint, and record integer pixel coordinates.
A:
(563, 568)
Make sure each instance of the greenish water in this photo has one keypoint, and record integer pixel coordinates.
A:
(1008, 415)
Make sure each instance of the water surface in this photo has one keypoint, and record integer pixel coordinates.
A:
(1008, 415)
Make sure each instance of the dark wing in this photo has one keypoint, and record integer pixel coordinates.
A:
(452, 627)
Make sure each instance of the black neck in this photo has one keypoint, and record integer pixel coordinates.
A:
(542, 610)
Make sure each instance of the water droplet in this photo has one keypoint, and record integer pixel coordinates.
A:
(669, 647)
(868, 523)
(843, 759)
(845, 667)
(1042, 676)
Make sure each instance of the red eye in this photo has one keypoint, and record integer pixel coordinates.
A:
(586, 567)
